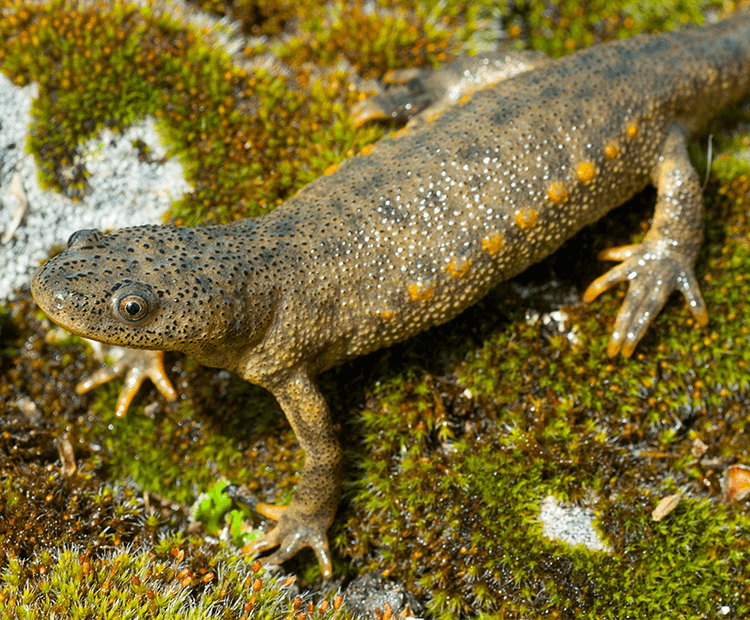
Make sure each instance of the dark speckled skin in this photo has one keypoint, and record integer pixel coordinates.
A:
(410, 234)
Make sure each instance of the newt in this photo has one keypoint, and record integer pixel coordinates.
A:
(478, 187)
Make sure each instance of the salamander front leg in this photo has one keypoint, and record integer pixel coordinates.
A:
(135, 365)
(305, 522)
(664, 261)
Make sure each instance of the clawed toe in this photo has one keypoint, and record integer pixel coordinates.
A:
(652, 277)
(291, 533)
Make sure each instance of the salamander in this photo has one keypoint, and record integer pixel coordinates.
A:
(482, 184)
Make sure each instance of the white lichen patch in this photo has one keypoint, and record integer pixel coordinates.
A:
(121, 190)
(570, 524)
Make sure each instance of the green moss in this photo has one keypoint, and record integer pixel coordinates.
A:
(373, 44)
(173, 581)
(196, 449)
(235, 131)
(559, 28)
(248, 139)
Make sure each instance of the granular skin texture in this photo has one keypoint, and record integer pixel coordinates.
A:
(494, 175)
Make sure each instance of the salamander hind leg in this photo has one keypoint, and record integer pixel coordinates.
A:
(305, 522)
(664, 261)
(432, 91)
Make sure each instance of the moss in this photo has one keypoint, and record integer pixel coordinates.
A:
(465, 429)
(173, 580)
(372, 43)
(233, 130)
(559, 28)
(261, 18)
(42, 509)
(249, 139)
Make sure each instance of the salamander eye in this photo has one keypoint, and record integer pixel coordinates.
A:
(134, 304)
(133, 308)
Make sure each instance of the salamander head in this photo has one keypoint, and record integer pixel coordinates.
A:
(153, 287)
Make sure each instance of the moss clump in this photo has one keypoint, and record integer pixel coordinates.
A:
(173, 580)
(373, 44)
(559, 28)
(262, 18)
(235, 131)
(248, 139)
(42, 509)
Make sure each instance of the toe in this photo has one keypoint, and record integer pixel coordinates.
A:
(270, 511)
(268, 541)
(643, 302)
(323, 553)
(605, 282)
(158, 375)
(619, 254)
(688, 285)
(96, 378)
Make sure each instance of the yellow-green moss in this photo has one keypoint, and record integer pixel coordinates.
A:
(247, 139)
(559, 28)
(372, 43)
(174, 580)
(236, 132)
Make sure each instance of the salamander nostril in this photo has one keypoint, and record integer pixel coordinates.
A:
(85, 236)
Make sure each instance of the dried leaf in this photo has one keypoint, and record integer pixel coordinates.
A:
(665, 506)
(736, 483)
